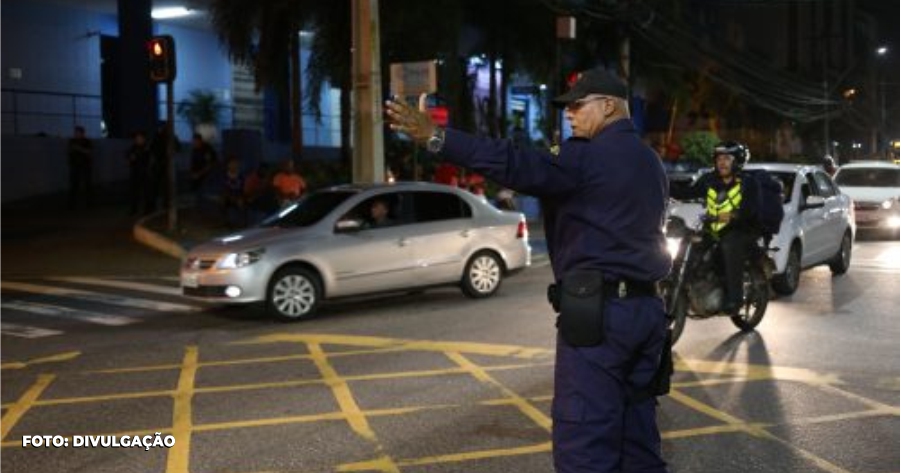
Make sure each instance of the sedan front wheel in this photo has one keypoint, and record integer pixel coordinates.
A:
(293, 294)
(482, 275)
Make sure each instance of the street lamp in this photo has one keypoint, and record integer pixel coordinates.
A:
(881, 52)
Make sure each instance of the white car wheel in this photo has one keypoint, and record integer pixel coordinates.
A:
(482, 276)
(294, 294)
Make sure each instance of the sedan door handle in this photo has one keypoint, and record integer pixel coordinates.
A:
(402, 242)
(465, 233)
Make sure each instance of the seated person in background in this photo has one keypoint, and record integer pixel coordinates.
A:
(288, 184)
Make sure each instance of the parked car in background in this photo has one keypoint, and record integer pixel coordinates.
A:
(334, 243)
(875, 187)
(818, 227)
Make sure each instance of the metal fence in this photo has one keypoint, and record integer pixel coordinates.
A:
(42, 113)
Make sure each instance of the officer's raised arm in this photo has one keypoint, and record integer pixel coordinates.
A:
(527, 171)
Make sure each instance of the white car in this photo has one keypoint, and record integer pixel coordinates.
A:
(875, 187)
(331, 244)
(818, 227)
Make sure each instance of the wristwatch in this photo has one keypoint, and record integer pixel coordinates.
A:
(436, 141)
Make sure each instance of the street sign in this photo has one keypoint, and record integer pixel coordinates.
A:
(413, 78)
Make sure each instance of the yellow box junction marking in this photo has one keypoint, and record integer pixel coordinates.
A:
(349, 406)
(15, 412)
(182, 424)
(18, 365)
(182, 427)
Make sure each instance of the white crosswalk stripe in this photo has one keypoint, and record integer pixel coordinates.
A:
(119, 284)
(39, 308)
(26, 331)
(91, 296)
(67, 312)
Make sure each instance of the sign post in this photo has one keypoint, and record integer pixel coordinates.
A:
(409, 80)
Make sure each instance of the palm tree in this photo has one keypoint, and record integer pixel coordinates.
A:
(264, 34)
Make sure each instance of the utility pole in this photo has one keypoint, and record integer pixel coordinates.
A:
(368, 141)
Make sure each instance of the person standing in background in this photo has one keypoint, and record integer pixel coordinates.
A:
(80, 151)
(138, 157)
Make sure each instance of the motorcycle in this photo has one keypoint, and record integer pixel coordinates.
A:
(694, 288)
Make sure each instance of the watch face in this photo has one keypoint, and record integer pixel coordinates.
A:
(434, 144)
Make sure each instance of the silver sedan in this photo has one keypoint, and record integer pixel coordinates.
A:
(352, 240)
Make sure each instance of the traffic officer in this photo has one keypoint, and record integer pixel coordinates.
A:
(604, 198)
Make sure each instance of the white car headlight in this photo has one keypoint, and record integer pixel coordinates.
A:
(239, 260)
(672, 246)
(887, 204)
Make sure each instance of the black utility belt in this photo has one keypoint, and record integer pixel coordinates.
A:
(622, 289)
(580, 298)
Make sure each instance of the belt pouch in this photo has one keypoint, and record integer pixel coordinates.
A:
(581, 322)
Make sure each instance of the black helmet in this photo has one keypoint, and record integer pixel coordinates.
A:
(740, 152)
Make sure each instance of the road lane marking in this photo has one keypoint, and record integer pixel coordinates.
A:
(26, 331)
(543, 447)
(15, 412)
(119, 284)
(348, 405)
(92, 296)
(180, 454)
(737, 373)
(16, 365)
(404, 344)
(522, 404)
(52, 310)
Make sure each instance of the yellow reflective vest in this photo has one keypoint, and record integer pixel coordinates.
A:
(722, 202)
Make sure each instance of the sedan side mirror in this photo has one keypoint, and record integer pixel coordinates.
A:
(813, 202)
(348, 225)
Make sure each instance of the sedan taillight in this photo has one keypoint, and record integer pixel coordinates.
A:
(522, 230)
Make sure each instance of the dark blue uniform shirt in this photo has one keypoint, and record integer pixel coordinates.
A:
(603, 199)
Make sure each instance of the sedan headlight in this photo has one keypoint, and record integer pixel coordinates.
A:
(888, 204)
(239, 260)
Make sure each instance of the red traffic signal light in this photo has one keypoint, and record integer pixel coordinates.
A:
(161, 55)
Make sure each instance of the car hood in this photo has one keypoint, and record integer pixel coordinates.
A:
(251, 239)
(871, 194)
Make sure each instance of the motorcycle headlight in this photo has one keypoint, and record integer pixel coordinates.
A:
(672, 246)
(239, 260)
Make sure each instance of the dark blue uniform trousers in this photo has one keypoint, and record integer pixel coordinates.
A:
(597, 429)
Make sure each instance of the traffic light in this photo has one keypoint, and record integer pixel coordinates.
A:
(161, 53)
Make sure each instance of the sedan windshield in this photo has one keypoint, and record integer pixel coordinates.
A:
(309, 210)
(868, 177)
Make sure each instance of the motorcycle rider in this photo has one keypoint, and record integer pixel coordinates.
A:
(731, 214)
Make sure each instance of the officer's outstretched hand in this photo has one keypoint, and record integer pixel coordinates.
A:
(415, 123)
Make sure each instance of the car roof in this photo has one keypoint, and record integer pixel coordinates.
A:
(401, 185)
(870, 164)
(779, 167)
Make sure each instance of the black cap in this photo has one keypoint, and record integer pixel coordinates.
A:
(594, 81)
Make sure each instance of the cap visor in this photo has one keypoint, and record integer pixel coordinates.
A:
(571, 96)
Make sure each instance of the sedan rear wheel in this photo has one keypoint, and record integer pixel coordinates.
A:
(482, 276)
(294, 293)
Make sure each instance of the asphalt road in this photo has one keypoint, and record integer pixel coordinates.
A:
(429, 382)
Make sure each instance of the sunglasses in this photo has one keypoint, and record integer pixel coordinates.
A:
(577, 104)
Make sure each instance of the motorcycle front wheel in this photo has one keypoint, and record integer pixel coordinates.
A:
(756, 298)
(678, 316)
(676, 309)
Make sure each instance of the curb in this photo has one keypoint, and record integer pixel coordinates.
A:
(155, 240)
